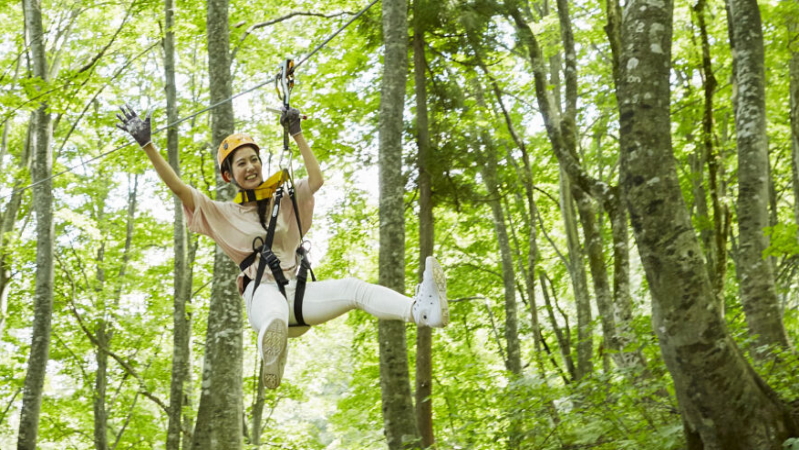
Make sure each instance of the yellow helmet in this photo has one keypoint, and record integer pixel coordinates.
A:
(231, 144)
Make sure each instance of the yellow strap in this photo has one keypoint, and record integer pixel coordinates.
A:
(265, 190)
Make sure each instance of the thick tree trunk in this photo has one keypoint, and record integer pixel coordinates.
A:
(43, 207)
(219, 417)
(758, 292)
(615, 205)
(181, 320)
(398, 411)
(741, 412)
(424, 335)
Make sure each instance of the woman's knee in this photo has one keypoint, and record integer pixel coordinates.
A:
(267, 302)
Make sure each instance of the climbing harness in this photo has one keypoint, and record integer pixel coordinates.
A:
(273, 189)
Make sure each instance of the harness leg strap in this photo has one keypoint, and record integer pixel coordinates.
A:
(268, 258)
(299, 293)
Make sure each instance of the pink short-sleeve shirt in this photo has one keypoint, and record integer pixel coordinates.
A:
(234, 227)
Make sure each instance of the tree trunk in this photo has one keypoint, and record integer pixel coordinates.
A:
(103, 336)
(424, 335)
(576, 266)
(622, 298)
(9, 215)
(398, 410)
(181, 321)
(43, 207)
(793, 29)
(9, 218)
(599, 274)
(725, 405)
(513, 363)
(219, 417)
(758, 292)
(717, 249)
(258, 408)
(104, 330)
(563, 338)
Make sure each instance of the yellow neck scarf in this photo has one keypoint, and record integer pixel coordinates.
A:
(265, 190)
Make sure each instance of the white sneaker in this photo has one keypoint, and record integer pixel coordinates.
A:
(430, 308)
(274, 349)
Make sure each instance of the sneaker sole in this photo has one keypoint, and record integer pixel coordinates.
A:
(440, 280)
(273, 343)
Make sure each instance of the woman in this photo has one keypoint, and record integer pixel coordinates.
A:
(236, 227)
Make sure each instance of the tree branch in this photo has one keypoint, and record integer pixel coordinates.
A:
(288, 16)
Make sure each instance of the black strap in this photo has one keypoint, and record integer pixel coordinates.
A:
(299, 227)
(302, 277)
(270, 231)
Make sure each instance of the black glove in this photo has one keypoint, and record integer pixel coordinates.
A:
(139, 129)
(291, 120)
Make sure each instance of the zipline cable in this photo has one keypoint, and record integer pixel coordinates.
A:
(202, 111)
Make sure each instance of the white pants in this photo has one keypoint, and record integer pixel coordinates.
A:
(323, 301)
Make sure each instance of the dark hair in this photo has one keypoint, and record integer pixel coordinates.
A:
(262, 208)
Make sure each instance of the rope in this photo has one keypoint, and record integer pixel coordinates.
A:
(202, 111)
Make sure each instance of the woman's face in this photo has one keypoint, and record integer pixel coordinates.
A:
(246, 167)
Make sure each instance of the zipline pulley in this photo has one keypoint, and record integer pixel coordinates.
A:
(284, 81)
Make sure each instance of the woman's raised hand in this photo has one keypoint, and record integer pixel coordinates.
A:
(290, 118)
(132, 123)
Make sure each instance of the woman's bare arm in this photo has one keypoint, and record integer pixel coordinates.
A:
(315, 177)
(168, 176)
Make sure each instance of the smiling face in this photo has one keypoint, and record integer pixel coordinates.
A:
(245, 168)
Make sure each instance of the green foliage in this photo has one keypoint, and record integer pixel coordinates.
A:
(791, 444)
(783, 240)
